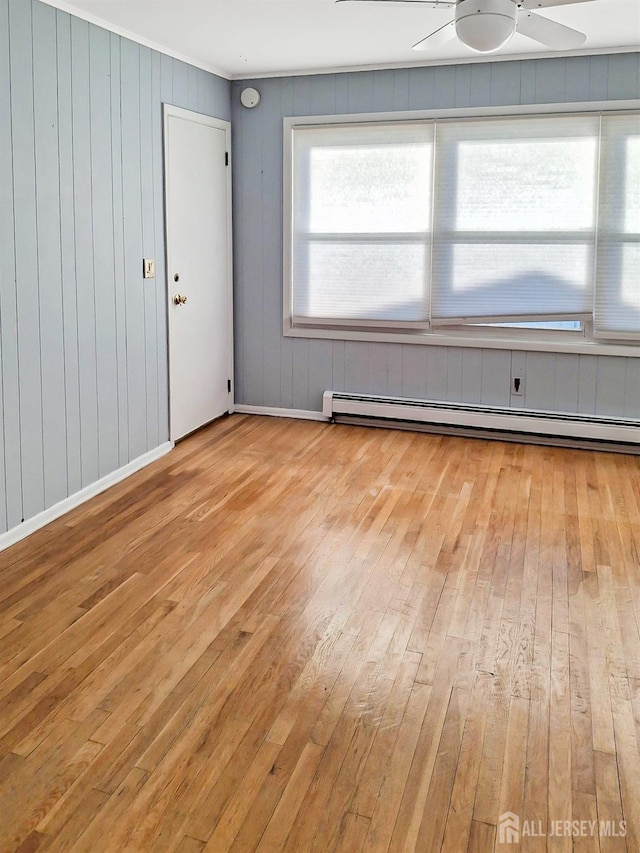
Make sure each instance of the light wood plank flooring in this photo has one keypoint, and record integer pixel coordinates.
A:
(292, 636)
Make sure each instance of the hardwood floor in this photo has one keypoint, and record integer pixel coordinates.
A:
(291, 636)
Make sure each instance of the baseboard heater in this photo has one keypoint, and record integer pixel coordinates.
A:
(619, 435)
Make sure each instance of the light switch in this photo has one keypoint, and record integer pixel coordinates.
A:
(148, 268)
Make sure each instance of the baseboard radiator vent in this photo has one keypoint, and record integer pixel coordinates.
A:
(619, 435)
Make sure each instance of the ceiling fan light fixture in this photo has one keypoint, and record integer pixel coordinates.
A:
(485, 26)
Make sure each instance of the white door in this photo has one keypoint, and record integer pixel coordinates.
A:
(198, 216)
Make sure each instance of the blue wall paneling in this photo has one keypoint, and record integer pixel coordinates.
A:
(83, 337)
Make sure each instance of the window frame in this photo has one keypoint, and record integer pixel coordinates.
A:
(490, 337)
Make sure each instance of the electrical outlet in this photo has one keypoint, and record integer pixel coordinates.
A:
(517, 386)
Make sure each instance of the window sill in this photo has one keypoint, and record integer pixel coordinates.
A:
(541, 342)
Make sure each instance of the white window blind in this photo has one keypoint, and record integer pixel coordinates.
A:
(361, 223)
(617, 304)
(514, 218)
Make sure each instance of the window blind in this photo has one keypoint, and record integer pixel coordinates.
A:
(361, 223)
(617, 303)
(514, 218)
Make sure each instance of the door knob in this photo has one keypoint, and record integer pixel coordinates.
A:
(179, 300)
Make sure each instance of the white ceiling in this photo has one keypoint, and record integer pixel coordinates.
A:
(246, 38)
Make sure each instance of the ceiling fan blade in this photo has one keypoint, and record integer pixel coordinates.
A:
(547, 32)
(433, 4)
(543, 4)
(437, 38)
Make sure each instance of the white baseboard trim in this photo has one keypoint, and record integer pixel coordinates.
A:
(48, 515)
(298, 414)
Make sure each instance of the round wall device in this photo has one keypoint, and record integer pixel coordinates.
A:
(249, 98)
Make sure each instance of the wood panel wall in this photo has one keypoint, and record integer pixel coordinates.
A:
(83, 347)
(272, 370)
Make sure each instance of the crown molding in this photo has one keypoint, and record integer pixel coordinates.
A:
(71, 9)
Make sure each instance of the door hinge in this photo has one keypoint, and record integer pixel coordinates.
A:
(229, 385)
(226, 158)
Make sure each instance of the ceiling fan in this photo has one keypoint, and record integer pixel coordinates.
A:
(485, 26)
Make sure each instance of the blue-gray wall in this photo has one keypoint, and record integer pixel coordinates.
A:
(83, 346)
(272, 370)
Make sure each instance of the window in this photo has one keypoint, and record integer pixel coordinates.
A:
(617, 302)
(361, 221)
(515, 216)
(517, 224)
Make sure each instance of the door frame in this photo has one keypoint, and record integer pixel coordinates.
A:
(169, 110)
